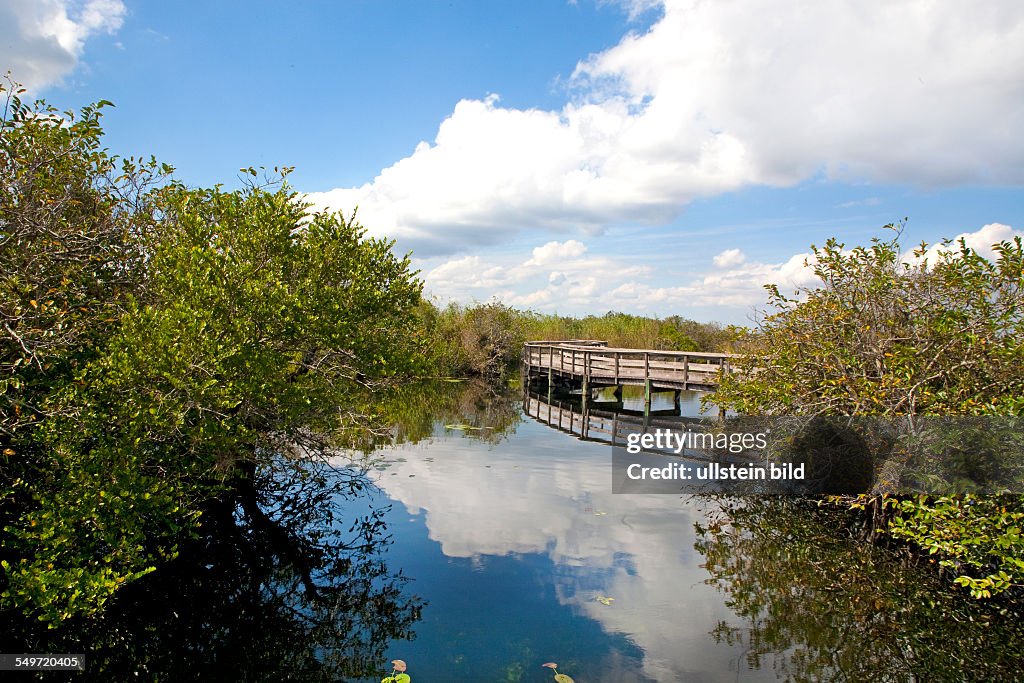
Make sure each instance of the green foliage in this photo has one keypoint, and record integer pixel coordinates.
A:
(979, 539)
(883, 336)
(483, 340)
(890, 336)
(70, 221)
(161, 346)
(559, 677)
(635, 332)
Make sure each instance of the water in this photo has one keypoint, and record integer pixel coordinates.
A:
(514, 541)
(491, 544)
(524, 556)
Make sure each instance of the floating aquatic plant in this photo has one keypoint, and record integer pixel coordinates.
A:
(560, 678)
(398, 674)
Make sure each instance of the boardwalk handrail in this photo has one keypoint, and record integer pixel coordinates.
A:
(593, 362)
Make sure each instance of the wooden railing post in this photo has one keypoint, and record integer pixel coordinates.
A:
(647, 383)
(586, 376)
(551, 369)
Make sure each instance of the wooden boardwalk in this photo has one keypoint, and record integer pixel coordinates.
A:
(592, 363)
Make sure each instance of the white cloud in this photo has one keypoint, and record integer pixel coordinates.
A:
(592, 284)
(714, 97)
(554, 252)
(729, 293)
(573, 285)
(980, 241)
(729, 257)
(41, 41)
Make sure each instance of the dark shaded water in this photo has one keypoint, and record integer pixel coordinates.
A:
(492, 543)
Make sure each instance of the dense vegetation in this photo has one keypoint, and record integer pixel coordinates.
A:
(486, 339)
(163, 348)
(894, 335)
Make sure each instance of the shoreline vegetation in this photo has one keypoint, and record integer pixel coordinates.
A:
(175, 357)
(486, 339)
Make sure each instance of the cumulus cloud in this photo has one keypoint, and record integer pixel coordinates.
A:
(714, 97)
(729, 257)
(736, 290)
(553, 252)
(41, 41)
(531, 282)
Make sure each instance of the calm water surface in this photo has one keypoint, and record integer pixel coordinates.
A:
(511, 534)
(513, 537)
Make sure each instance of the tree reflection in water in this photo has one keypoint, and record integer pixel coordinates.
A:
(821, 606)
(283, 582)
(414, 411)
(275, 588)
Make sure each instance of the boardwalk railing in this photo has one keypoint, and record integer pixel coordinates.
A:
(593, 363)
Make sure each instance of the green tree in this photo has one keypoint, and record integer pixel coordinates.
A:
(235, 328)
(72, 219)
(888, 335)
(896, 336)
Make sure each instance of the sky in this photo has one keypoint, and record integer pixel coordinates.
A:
(661, 157)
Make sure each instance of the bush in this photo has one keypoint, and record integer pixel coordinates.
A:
(889, 335)
(162, 345)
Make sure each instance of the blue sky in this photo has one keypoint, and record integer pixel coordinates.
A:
(574, 157)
